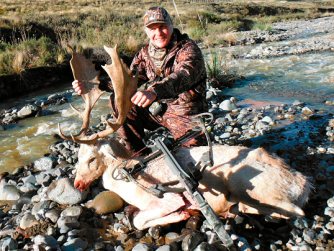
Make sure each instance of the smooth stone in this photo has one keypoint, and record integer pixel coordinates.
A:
(72, 211)
(43, 164)
(171, 236)
(24, 199)
(9, 192)
(29, 179)
(143, 247)
(28, 110)
(42, 205)
(46, 240)
(300, 223)
(28, 220)
(191, 241)
(8, 244)
(330, 202)
(74, 244)
(298, 103)
(243, 244)
(329, 211)
(106, 202)
(227, 105)
(262, 125)
(225, 135)
(310, 236)
(307, 111)
(204, 246)
(63, 191)
(28, 187)
(53, 214)
(67, 223)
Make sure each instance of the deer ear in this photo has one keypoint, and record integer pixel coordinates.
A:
(106, 150)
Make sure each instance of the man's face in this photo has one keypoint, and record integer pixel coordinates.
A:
(159, 34)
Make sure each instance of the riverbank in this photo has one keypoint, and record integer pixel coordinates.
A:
(45, 217)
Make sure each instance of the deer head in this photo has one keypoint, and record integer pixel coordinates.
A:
(124, 82)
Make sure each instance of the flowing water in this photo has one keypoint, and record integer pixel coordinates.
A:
(29, 140)
(308, 78)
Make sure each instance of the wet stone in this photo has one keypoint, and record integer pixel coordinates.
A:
(62, 191)
(204, 246)
(44, 163)
(67, 223)
(74, 244)
(155, 232)
(42, 205)
(243, 244)
(47, 241)
(106, 202)
(143, 247)
(329, 211)
(192, 240)
(28, 220)
(72, 211)
(310, 236)
(8, 244)
(330, 202)
(28, 110)
(227, 105)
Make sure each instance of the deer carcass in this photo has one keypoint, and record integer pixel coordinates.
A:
(241, 180)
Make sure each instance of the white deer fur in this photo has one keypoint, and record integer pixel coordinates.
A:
(241, 180)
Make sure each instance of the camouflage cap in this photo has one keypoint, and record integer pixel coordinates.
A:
(156, 15)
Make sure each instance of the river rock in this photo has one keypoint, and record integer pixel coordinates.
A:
(227, 105)
(74, 244)
(8, 244)
(9, 192)
(28, 110)
(67, 223)
(143, 247)
(62, 191)
(46, 241)
(53, 215)
(307, 111)
(72, 211)
(192, 240)
(44, 163)
(28, 220)
(106, 202)
(40, 207)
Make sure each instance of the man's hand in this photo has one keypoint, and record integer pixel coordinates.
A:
(77, 87)
(143, 98)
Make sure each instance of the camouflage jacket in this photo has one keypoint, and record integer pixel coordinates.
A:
(182, 81)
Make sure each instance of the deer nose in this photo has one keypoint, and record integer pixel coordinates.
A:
(78, 185)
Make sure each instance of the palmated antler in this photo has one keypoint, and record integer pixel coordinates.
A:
(124, 84)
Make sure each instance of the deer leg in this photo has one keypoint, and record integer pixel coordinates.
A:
(283, 209)
(162, 212)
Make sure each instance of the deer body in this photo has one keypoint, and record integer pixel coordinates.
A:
(242, 179)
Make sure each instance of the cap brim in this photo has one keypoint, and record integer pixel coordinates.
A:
(156, 22)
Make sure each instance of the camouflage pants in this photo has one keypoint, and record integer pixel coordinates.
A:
(139, 119)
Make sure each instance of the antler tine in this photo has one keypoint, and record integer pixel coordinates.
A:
(124, 84)
(84, 71)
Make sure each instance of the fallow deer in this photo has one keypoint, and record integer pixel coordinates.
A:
(241, 179)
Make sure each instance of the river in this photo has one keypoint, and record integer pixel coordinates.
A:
(306, 77)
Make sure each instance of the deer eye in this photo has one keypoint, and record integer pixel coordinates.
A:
(91, 160)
